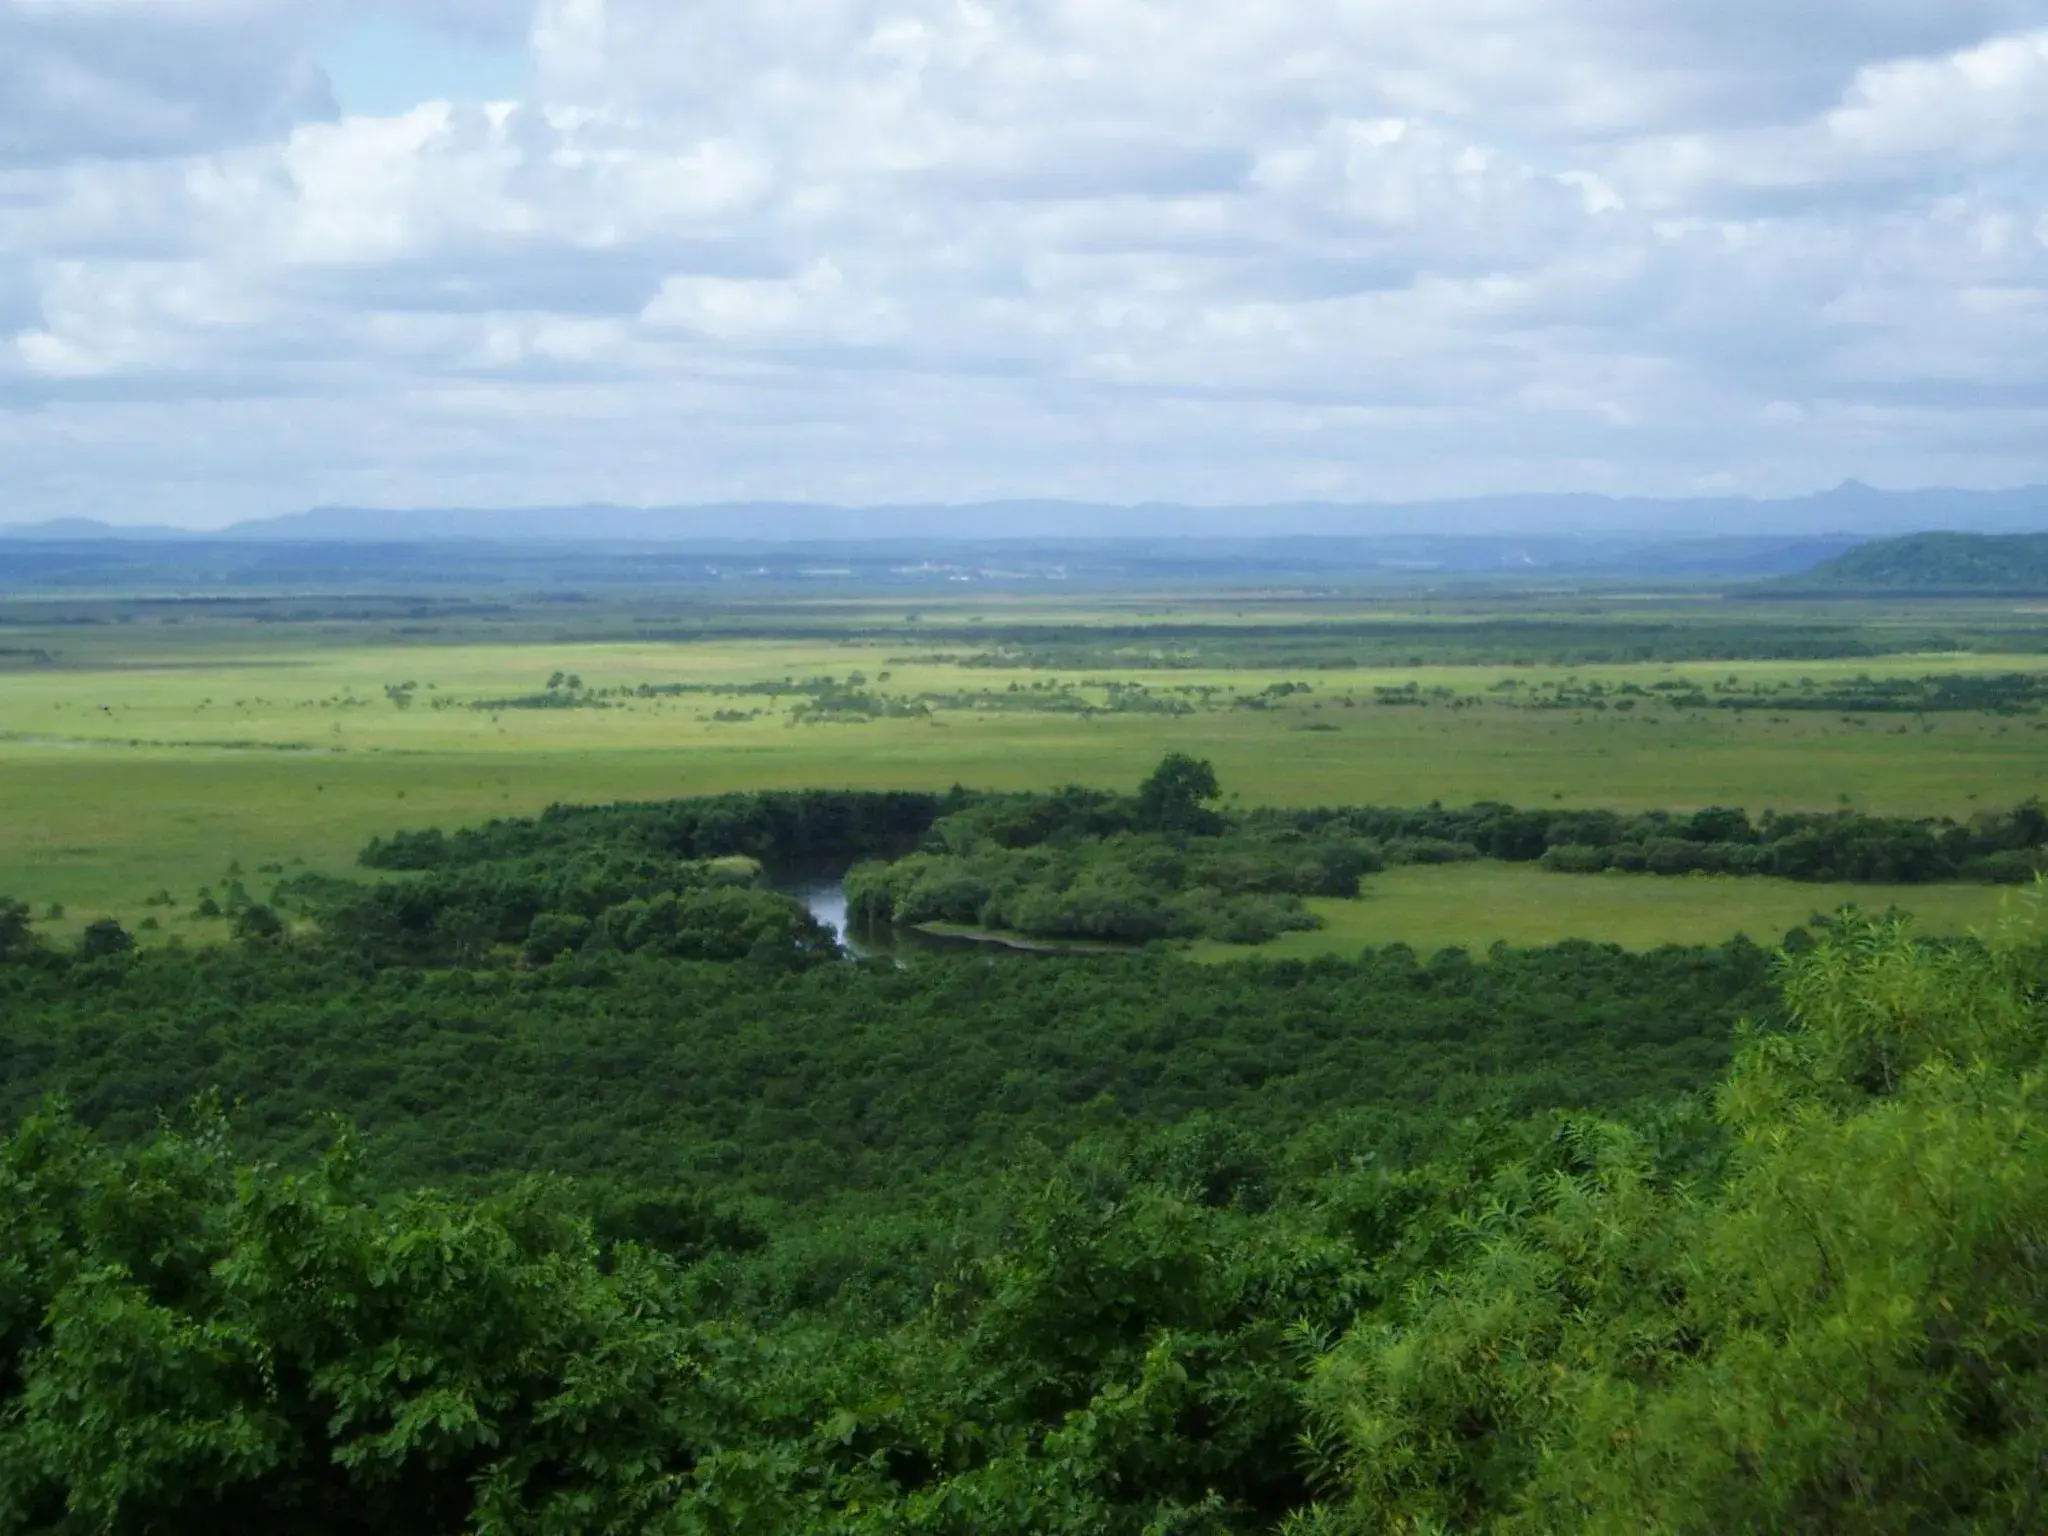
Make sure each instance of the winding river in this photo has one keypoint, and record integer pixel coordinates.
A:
(823, 893)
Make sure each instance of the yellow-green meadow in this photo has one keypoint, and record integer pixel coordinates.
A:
(149, 758)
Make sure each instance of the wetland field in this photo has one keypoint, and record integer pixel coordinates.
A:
(151, 749)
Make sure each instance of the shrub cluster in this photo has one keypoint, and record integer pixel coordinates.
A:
(2007, 847)
(1080, 864)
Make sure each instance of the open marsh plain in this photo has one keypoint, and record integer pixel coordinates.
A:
(144, 752)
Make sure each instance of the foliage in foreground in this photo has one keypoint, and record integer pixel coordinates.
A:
(1830, 1318)
(1850, 1331)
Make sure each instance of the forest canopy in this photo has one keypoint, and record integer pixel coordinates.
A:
(1815, 1305)
(561, 1174)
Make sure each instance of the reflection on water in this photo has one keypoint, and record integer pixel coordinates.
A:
(824, 894)
(825, 897)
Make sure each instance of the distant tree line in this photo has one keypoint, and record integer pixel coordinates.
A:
(2002, 693)
(1994, 846)
(1470, 641)
(797, 827)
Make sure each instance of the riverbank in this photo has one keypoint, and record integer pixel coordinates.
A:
(1006, 939)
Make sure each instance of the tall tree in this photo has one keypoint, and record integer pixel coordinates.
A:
(1175, 797)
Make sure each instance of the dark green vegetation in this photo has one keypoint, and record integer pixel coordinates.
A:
(676, 880)
(1999, 847)
(797, 1082)
(2005, 694)
(1938, 563)
(1056, 1246)
(1084, 864)
(799, 827)
(1081, 864)
(847, 1247)
(1163, 863)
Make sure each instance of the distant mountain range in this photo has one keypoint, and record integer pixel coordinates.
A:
(788, 544)
(197, 563)
(1849, 509)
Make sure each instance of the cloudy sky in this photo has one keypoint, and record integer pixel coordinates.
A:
(262, 254)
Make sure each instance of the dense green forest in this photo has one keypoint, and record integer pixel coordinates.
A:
(800, 1083)
(1809, 1301)
(1938, 562)
(560, 1176)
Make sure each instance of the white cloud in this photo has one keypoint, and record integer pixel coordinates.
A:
(1910, 125)
(953, 248)
(83, 78)
(744, 309)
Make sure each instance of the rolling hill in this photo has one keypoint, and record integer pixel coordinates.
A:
(1936, 563)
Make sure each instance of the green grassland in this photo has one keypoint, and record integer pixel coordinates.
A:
(1461, 905)
(149, 756)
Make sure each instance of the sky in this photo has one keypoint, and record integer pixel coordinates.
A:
(258, 255)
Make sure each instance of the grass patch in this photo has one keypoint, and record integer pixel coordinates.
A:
(1472, 905)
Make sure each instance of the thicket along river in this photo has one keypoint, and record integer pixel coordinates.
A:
(823, 893)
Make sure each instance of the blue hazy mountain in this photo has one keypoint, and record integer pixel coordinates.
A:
(1851, 508)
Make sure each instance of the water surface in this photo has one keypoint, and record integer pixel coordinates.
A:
(823, 894)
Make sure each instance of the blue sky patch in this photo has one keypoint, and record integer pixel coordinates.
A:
(382, 66)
